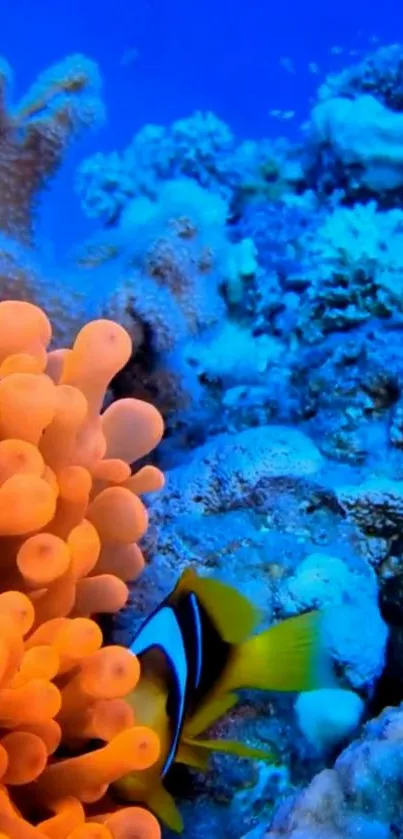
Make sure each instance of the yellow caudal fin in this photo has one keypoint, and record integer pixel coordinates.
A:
(163, 806)
(209, 712)
(287, 657)
(233, 615)
(231, 747)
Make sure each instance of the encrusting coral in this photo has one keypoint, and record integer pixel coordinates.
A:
(70, 517)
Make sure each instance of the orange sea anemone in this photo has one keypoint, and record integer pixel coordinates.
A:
(70, 518)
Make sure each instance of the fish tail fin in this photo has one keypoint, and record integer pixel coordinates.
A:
(290, 656)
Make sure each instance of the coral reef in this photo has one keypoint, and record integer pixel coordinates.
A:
(283, 400)
(378, 74)
(70, 518)
(262, 284)
(176, 256)
(356, 128)
(201, 147)
(359, 796)
(175, 266)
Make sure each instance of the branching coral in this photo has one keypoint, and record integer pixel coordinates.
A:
(34, 134)
(70, 515)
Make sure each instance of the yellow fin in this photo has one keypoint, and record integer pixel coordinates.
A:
(162, 804)
(190, 756)
(233, 615)
(287, 657)
(209, 711)
(232, 747)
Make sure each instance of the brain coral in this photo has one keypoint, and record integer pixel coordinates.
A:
(70, 516)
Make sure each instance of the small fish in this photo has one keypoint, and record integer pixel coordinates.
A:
(277, 114)
(196, 650)
(336, 50)
(129, 57)
(313, 68)
(287, 64)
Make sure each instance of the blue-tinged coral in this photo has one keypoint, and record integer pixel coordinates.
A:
(36, 131)
(355, 271)
(220, 510)
(201, 147)
(379, 74)
(376, 505)
(359, 796)
(34, 137)
(169, 272)
(176, 256)
(233, 354)
(328, 716)
(356, 129)
(234, 470)
(196, 148)
(365, 142)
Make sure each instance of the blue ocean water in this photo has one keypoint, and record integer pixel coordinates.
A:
(163, 59)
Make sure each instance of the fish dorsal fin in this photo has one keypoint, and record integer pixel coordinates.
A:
(231, 747)
(163, 805)
(209, 712)
(233, 615)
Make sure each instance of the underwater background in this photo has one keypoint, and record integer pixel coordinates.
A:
(161, 61)
(225, 181)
